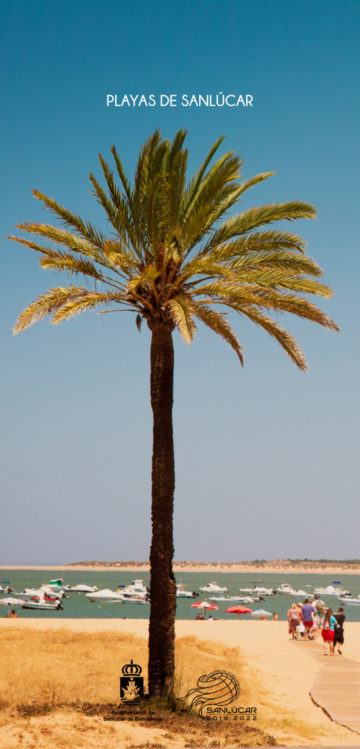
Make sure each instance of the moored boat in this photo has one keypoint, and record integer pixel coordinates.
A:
(258, 590)
(42, 593)
(135, 592)
(331, 590)
(81, 588)
(285, 588)
(350, 601)
(239, 599)
(182, 593)
(56, 584)
(42, 605)
(213, 588)
(104, 596)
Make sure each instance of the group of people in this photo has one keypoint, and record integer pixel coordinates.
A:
(307, 619)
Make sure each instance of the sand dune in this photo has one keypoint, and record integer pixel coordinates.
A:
(275, 566)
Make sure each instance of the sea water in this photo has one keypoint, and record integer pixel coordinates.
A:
(77, 606)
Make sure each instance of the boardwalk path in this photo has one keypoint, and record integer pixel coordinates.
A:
(336, 687)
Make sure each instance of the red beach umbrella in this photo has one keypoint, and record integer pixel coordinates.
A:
(203, 605)
(238, 610)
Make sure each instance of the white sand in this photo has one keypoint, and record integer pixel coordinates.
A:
(286, 670)
(274, 567)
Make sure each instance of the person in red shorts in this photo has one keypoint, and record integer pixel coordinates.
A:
(327, 632)
(307, 617)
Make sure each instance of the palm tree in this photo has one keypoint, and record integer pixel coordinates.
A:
(175, 256)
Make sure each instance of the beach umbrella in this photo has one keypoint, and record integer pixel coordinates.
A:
(203, 605)
(11, 601)
(238, 610)
(261, 612)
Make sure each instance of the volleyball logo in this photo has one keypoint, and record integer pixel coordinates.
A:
(218, 688)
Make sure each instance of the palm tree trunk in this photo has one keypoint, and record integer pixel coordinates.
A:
(162, 581)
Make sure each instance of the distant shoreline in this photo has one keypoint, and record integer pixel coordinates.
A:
(274, 567)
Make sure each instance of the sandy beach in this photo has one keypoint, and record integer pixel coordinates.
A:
(275, 566)
(280, 671)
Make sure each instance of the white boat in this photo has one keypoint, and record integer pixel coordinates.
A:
(57, 584)
(42, 604)
(42, 593)
(213, 588)
(135, 592)
(350, 601)
(7, 590)
(238, 599)
(258, 590)
(104, 596)
(285, 588)
(331, 590)
(135, 599)
(182, 593)
(136, 586)
(81, 588)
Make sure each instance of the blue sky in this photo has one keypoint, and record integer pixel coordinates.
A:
(266, 457)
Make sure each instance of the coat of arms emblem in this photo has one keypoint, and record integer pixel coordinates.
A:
(131, 684)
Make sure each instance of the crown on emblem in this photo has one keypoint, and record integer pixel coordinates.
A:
(131, 669)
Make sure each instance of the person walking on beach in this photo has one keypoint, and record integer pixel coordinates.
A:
(339, 630)
(300, 629)
(317, 617)
(294, 620)
(327, 632)
(307, 614)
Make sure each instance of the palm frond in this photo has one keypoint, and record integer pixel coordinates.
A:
(66, 238)
(217, 193)
(149, 274)
(175, 169)
(175, 251)
(191, 192)
(45, 305)
(85, 301)
(288, 343)
(64, 261)
(118, 256)
(255, 181)
(123, 178)
(84, 228)
(259, 216)
(181, 313)
(281, 278)
(236, 295)
(218, 324)
(253, 245)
